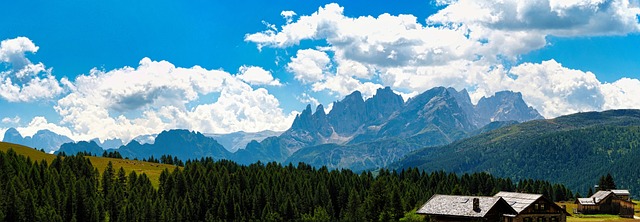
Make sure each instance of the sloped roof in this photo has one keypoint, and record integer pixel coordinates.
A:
(621, 192)
(600, 195)
(518, 201)
(458, 205)
(586, 201)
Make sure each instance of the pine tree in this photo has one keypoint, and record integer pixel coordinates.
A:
(607, 183)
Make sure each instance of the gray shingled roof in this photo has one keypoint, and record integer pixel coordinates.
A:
(621, 192)
(457, 205)
(518, 201)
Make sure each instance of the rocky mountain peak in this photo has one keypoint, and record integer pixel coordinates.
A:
(505, 106)
(12, 135)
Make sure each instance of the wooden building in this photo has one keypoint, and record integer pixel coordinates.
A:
(504, 206)
(466, 208)
(532, 208)
(617, 202)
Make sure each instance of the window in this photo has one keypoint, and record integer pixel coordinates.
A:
(536, 206)
(542, 219)
(554, 219)
(542, 207)
(527, 219)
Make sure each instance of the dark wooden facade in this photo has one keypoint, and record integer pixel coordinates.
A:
(541, 210)
(533, 208)
(606, 202)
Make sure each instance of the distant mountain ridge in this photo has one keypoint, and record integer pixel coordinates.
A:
(355, 128)
(43, 139)
(239, 140)
(357, 133)
(574, 150)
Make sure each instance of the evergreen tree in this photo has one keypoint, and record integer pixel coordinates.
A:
(606, 183)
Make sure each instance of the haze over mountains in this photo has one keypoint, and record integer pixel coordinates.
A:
(43, 139)
(358, 134)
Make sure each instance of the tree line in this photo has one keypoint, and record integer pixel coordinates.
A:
(71, 189)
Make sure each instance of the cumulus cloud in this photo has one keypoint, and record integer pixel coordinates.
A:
(464, 45)
(551, 17)
(622, 94)
(22, 80)
(257, 76)
(309, 65)
(41, 123)
(155, 96)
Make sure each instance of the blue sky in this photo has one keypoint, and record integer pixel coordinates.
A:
(259, 62)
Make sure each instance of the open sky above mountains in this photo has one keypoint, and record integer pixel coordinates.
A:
(119, 69)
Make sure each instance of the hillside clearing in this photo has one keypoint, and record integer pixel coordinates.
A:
(152, 170)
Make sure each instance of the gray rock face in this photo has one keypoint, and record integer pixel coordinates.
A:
(505, 106)
(390, 128)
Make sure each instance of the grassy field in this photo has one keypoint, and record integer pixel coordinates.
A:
(152, 170)
(597, 217)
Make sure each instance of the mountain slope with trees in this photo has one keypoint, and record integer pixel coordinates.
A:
(571, 150)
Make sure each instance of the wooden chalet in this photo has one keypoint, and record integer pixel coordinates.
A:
(465, 208)
(504, 206)
(532, 208)
(617, 202)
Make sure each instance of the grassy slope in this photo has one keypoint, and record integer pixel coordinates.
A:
(152, 170)
(597, 217)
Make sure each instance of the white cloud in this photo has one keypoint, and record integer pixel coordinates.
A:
(257, 76)
(547, 17)
(308, 99)
(2, 131)
(621, 94)
(309, 65)
(464, 45)
(8, 120)
(25, 81)
(555, 90)
(41, 123)
(288, 15)
(344, 85)
(127, 102)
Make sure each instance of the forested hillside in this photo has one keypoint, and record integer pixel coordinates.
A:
(71, 189)
(574, 150)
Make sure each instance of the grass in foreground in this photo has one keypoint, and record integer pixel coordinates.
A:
(593, 217)
(152, 170)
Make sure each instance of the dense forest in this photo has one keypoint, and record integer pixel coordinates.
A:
(71, 189)
(572, 150)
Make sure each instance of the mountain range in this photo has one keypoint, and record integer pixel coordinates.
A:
(574, 150)
(43, 139)
(436, 117)
(357, 133)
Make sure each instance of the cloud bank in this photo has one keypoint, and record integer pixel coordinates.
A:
(155, 96)
(464, 45)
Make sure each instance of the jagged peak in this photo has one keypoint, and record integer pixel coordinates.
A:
(384, 90)
(355, 94)
(320, 110)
